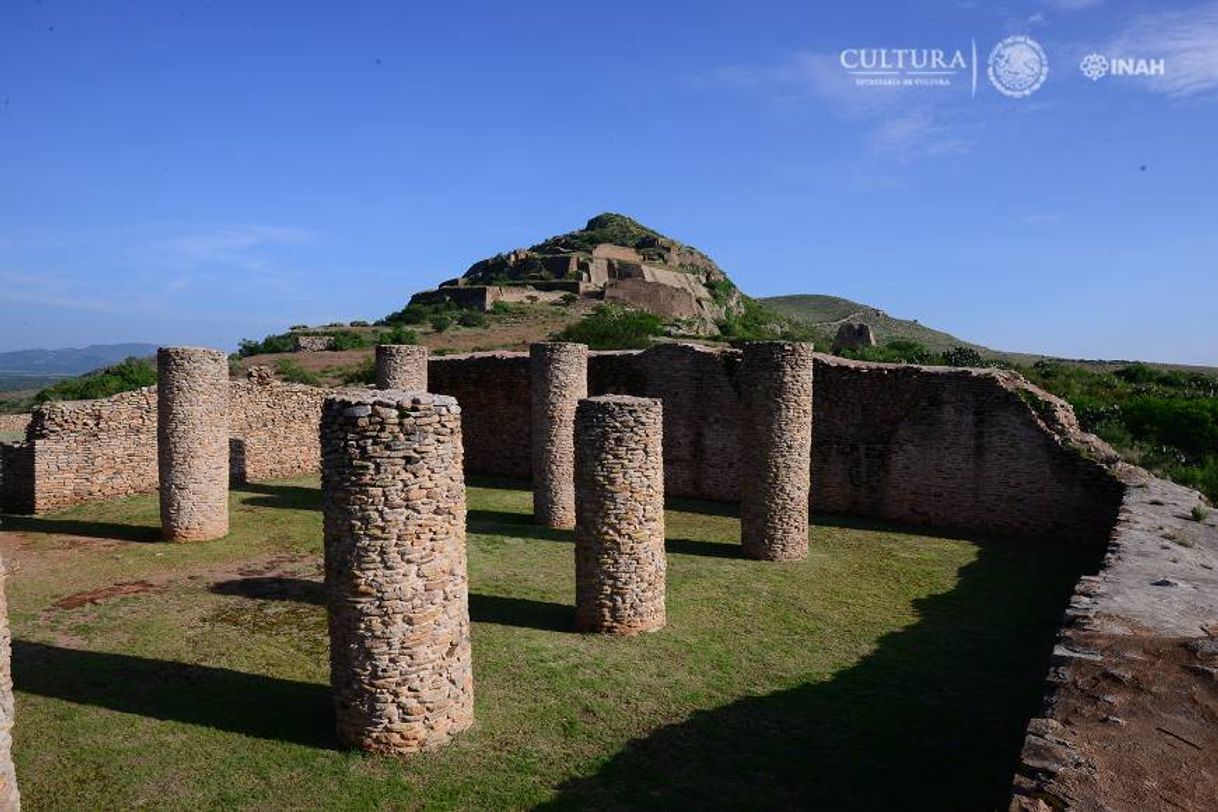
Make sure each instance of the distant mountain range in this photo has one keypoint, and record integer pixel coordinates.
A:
(31, 369)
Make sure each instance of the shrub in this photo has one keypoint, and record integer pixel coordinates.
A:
(611, 327)
(349, 340)
(129, 374)
(568, 298)
(440, 322)
(282, 342)
(1199, 513)
(502, 308)
(962, 357)
(398, 335)
(359, 323)
(364, 373)
(292, 372)
(472, 318)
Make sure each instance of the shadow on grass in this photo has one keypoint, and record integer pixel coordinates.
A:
(516, 525)
(80, 527)
(217, 698)
(288, 497)
(704, 507)
(521, 612)
(504, 611)
(711, 549)
(273, 588)
(933, 718)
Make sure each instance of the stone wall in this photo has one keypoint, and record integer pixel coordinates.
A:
(307, 343)
(87, 450)
(81, 451)
(702, 413)
(493, 390)
(973, 450)
(273, 427)
(1130, 719)
(14, 423)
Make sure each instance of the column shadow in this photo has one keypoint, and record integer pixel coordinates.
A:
(933, 718)
(217, 698)
(113, 531)
(287, 497)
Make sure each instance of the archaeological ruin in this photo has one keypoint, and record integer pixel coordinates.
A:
(776, 429)
(393, 496)
(559, 379)
(193, 443)
(619, 507)
(776, 390)
(401, 366)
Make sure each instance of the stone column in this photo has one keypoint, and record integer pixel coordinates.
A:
(619, 504)
(10, 799)
(401, 366)
(559, 380)
(776, 393)
(393, 499)
(192, 442)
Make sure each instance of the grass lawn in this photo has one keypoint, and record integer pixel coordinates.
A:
(893, 669)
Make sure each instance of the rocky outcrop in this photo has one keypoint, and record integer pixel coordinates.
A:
(853, 336)
(612, 257)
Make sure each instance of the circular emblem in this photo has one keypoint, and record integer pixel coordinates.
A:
(1017, 66)
(1094, 66)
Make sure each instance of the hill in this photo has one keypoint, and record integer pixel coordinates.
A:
(825, 313)
(34, 369)
(613, 258)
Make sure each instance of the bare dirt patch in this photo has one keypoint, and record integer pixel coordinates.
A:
(93, 596)
(1135, 726)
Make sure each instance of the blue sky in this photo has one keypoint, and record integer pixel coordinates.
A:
(198, 173)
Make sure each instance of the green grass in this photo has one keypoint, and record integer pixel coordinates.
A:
(893, 669)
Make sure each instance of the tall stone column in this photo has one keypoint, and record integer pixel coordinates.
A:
(393, 499)
(401, 366)
(192, 442)
(619, 504)
(776, 387)
(559, 380)
(10, 799)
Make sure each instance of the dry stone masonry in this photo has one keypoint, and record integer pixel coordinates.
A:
(394, 506)
(192, 442)
(776, 389)
(10, 800)
(559, 380)
(619, 503)
(401, 366)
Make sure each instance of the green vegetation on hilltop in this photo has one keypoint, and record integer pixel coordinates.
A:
(609, 227)
(124, 376)
(1164, 420)
(344, 339)
(612, 327)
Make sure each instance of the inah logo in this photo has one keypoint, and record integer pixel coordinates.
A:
(1094, 66)
(1097, 66)
(1018, 66)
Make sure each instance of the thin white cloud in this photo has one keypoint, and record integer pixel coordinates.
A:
(904, 122)
(1186, 39)
(1072, 5)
